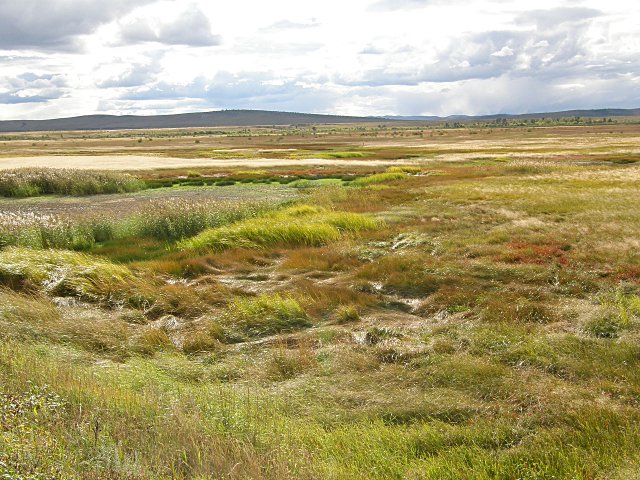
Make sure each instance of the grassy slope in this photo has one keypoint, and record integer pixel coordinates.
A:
(486, 328)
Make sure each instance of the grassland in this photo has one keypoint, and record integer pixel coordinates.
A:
(471, 312)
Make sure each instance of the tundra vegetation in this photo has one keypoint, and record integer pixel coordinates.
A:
(469, 310)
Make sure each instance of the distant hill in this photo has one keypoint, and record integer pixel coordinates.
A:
(254, 118)
(223, 118)
(594, 113)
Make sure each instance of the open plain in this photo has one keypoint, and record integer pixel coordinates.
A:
(380, 301)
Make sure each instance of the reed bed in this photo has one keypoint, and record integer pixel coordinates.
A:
(166, 220)
(32, 182)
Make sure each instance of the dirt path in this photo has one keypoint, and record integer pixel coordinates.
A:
(143, 162)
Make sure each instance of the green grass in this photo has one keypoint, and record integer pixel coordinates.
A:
(266, 314)
(389, 176)
(342, 155)
(295, 226)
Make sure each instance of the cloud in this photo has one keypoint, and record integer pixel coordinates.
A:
(545, 54)
(505, 51)
(370, 57)
(289, 25)
(553, 17)
(386, 5)
(56, 24)
(32, 88)
(191, 27)
(252, 90)
(520, 95)
(372, 50)
(133, 76)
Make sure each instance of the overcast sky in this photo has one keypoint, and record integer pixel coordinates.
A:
(358, 57)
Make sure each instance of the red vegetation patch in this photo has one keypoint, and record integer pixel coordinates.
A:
(539, 254)
(628, 273)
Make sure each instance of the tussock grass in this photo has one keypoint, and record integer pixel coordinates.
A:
(19, 314)
(266, 314)
(296, 226)
(389, 176)
(32, 182)
(404, 169)
(62, 273)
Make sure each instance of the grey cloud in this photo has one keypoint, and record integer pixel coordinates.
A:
(56, 24)
(133, 76)
(32, 88)
(192, 27)
(245, 90)
(517, 95)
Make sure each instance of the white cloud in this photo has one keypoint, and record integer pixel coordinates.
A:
(503, 52)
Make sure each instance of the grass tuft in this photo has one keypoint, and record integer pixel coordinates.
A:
(302, 225)
(266, 314)
(379, 178)
(62, 273)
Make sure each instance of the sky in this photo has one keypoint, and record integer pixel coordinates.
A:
(61, 58)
